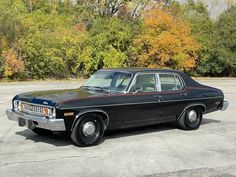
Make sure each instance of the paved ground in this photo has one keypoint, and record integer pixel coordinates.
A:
(154, 151)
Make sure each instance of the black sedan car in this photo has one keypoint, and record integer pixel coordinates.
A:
(117, 98)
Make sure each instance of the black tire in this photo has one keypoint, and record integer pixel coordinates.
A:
(78, 134)
(41, 132)
(188, 123)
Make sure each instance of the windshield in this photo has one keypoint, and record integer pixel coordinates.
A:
(109, 80)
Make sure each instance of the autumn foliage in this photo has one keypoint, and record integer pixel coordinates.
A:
(166, 41)
(12, 64)
(80, 27)
(60, 39)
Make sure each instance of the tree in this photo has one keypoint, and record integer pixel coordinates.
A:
(13, 65)
(11, 26)
(226, 41)
(64, 38)
(50, 46)
(104, 45)
(203, 30)
(11, 29)
(165, 41)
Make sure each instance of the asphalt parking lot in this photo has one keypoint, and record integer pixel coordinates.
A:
(160, 150)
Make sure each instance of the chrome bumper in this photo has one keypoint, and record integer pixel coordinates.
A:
(224, 106)
(36, 121)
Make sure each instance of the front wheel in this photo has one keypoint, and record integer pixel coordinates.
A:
(191, 119)
(88, 130)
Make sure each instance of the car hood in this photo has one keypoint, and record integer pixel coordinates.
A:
(54, 97)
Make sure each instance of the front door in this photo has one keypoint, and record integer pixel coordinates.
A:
(145, 98)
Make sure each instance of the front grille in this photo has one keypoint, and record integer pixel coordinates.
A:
(34, 109)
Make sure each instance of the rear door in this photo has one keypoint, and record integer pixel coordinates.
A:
(173, 95)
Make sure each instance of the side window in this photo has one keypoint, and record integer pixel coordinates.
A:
(144, 83)
(178, 84)
(122, 81)
(170, 82)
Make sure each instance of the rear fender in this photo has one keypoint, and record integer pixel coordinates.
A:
(192, 105)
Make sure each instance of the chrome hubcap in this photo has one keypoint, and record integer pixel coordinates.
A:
(192, 116)
(89, 129)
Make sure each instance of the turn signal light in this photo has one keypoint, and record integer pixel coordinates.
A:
(45, 111)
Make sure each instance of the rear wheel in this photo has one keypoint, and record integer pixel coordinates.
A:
(41, 132)
(88, 130)
(191, 119)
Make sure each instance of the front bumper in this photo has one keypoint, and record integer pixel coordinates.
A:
(225, 106)
(36, 121)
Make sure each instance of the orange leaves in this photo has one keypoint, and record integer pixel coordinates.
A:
(80, 27)
(165, 41)
(12, 64)
(157, 18)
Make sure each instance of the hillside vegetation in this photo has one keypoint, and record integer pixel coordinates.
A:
(60, 39)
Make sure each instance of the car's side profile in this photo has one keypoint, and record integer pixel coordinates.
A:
(118, 98)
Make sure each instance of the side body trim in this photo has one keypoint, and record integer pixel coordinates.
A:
(90, 111)
(137, 103)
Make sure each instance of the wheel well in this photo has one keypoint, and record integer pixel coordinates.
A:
(103, 114)
(201, 106)
(104, 117)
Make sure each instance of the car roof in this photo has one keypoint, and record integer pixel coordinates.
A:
(136, 70)
(188, 80)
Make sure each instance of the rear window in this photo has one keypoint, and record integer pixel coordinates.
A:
(170, 82)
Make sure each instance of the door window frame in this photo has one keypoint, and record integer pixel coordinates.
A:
(157, 86)
(175, 75)
(157, 81)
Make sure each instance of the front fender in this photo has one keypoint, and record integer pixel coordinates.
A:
(86, 111)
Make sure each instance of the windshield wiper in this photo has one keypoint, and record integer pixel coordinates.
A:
(87, 87)
(97, 88)
(101, 89)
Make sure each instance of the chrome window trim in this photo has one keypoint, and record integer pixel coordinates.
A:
(181, 80)
(175, 74)
(158, 81)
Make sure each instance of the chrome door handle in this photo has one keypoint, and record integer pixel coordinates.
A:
(183, 94)
(157, 96)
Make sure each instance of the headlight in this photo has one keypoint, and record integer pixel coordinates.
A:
(21, 106)
(15, 105)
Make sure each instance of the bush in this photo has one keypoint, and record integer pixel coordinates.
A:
(12, 65)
